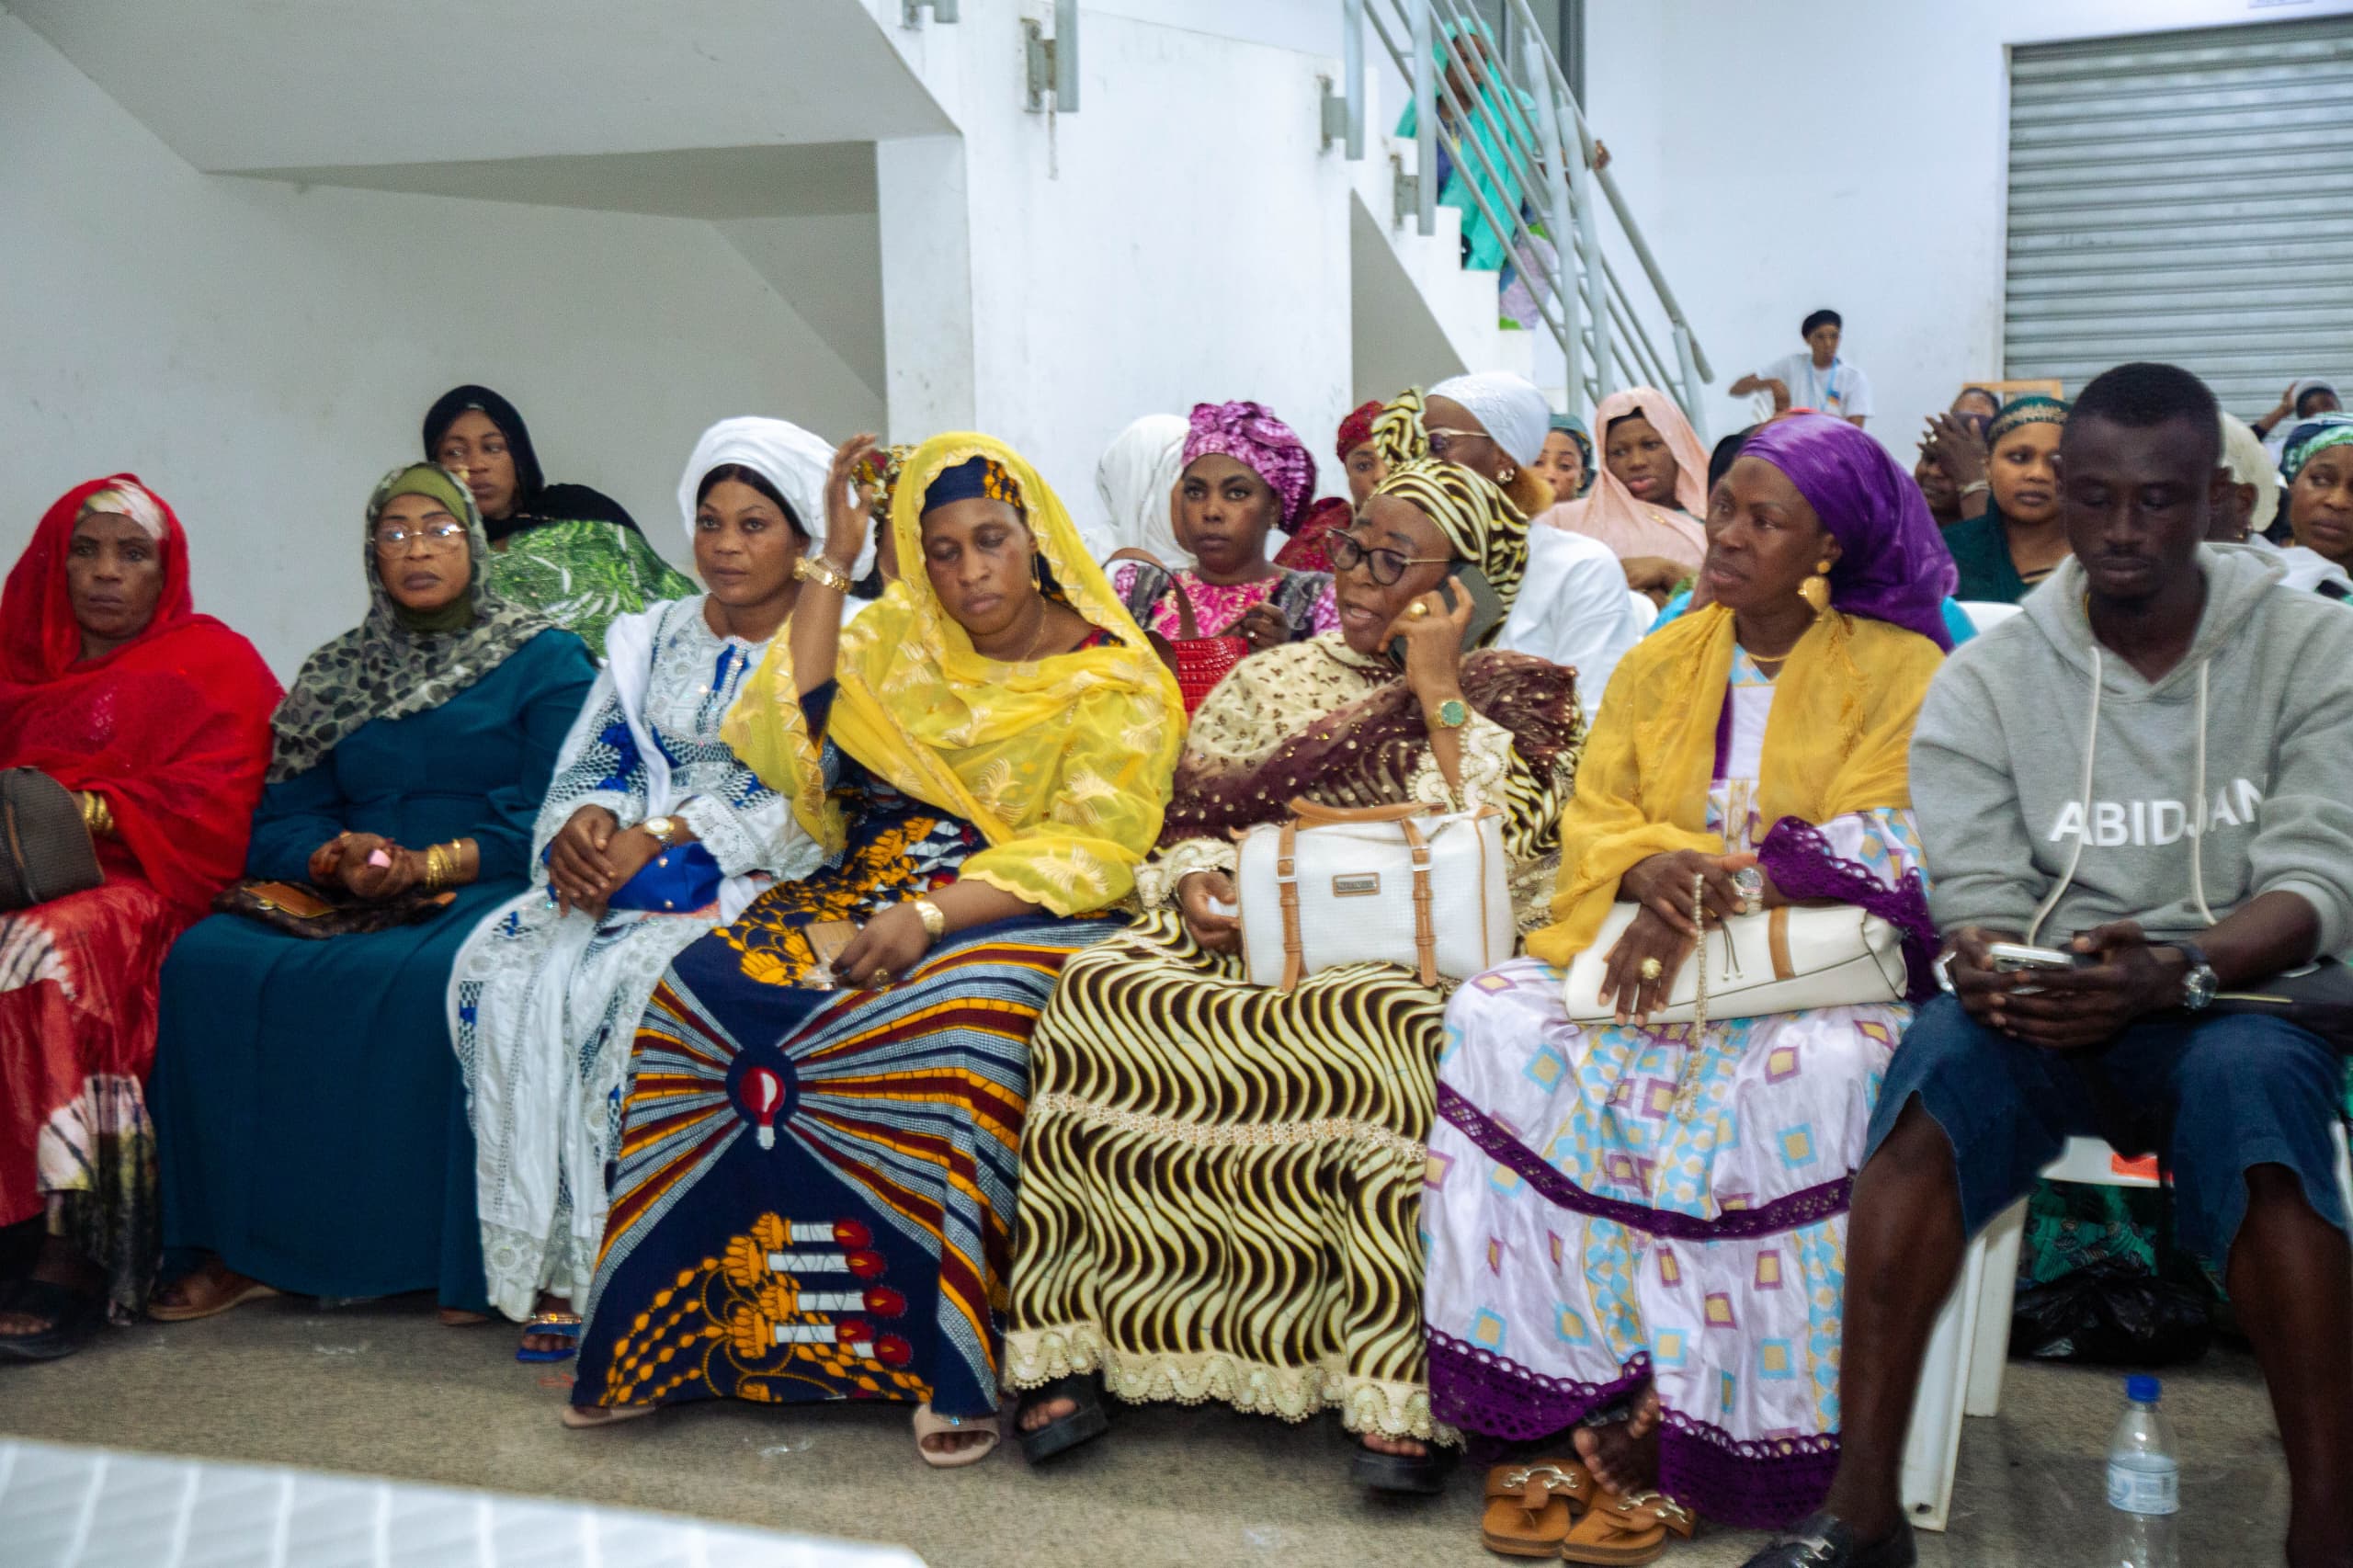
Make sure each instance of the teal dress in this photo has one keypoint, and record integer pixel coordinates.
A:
(1980, 552)
(309, 1119)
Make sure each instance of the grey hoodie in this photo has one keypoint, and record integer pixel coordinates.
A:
(2262, 703)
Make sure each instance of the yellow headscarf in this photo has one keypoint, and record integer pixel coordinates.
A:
(1838, 741)
(1063, 764)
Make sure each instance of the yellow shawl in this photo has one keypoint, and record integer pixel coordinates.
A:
(1062, 763)
(1838, 741)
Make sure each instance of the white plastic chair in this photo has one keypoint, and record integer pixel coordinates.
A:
(1969, 1347)
(1986, 614)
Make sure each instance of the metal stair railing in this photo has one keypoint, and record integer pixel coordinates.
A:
(1536, 134)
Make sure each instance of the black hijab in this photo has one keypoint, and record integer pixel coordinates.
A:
(536, 500)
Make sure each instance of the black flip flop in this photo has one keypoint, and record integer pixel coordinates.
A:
(1423, 1474)
(1086, 1424)
(74, 1320)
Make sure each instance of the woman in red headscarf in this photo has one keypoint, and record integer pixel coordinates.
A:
(158, 720)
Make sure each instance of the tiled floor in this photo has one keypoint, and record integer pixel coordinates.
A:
(384, 1388)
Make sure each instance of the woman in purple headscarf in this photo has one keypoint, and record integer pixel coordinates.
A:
(1646, 1223)
(1246, 475)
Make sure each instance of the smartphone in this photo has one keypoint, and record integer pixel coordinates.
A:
(1487, 608)
(2008, 957)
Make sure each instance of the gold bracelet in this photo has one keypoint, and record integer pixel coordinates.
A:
(825, 573)
(96, 815)
(933, 918)
(434, 871)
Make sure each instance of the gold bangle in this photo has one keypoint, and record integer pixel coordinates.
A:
(433, 870)
(825, 573)
(96, 815)
(933, 918)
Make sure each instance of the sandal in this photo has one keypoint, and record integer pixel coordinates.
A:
(1531, 1505)
(1627, 1529)
(193, 1306)
(930, 1425)
(553, 1325)
(74, 1320)
(1424, 1473)
(589, 1417)
(1086, 1424)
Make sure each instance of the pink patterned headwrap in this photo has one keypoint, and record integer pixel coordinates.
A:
(1251, 435)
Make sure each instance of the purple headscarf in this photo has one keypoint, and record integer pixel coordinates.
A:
(1893, 566)
(1251, 435)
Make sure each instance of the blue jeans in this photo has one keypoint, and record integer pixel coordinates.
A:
(2214, 1097)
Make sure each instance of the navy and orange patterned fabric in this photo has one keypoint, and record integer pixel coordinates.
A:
(813, 1192)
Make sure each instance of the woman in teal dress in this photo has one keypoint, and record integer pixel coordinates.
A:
(311, 1125)
(573, 553)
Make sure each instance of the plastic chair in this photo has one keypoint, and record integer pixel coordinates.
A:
(1969, 1347)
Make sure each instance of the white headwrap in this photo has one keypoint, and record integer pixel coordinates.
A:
(127, 499)
(1137, 480)
(1513, 411)
(2243, 455)
(785, 455)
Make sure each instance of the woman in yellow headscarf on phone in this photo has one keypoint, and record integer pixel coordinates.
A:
(816, 1164)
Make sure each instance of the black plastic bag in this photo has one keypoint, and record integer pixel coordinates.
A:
(2108, 1316)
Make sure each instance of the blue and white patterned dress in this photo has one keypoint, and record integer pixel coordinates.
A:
(1587, 1236)
(543, 1004)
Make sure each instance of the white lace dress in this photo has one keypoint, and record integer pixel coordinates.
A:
(543, 1004)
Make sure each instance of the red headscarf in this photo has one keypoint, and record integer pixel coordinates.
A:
(172, 728)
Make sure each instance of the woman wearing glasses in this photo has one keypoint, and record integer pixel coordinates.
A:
(311, 1126)
(1221, 1183)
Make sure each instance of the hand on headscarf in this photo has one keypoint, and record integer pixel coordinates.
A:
(849, 502)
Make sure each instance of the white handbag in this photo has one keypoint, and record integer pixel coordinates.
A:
(1407, 885)
(1782, 960)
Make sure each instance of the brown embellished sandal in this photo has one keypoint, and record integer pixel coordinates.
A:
(1530, 1506)
(1622, 1530)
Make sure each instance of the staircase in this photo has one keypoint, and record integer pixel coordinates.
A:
(1495, 103)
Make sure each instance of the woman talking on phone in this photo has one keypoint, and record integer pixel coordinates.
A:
(1187, 1131)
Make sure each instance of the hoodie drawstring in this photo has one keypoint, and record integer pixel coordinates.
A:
(2091, 750)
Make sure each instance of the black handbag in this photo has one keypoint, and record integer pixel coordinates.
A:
(45, 848)
(299, 909)
(2318, 997)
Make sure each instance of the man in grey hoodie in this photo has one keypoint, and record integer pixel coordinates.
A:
(2152, 768)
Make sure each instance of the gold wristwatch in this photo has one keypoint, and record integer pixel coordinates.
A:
(663, 829)
(933, 918)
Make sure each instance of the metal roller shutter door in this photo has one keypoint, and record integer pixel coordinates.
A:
(2180, 196)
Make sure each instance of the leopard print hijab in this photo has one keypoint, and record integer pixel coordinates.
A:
(386, 667)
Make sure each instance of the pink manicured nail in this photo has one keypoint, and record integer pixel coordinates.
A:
(379, 857)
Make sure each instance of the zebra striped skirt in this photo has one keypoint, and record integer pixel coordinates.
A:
(1222, 1185)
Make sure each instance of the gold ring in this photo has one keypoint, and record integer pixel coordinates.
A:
(1421, 608)
(879, 980)
(1652, 969)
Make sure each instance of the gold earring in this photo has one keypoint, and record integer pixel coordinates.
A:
(1508, 476)
(1815, 590)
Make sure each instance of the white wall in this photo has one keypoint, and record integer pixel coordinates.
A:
(1787, 155)
(260, 353)
(1179, 239)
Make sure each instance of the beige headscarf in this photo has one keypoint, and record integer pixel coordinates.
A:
(1611, 513)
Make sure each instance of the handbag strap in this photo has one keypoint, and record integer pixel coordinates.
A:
(1316, 813)
(1286, 889)
(1188, 625)
(16, 847)
(1425, 931)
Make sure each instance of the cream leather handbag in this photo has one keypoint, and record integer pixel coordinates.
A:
(1406, 885)
(1781, 960)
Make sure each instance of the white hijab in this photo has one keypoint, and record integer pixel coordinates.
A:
(1514, 413)
(779, 451)
(1137, 480)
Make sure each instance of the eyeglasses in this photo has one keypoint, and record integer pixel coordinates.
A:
(394, 538)
(1444, 441)
(1385, 566)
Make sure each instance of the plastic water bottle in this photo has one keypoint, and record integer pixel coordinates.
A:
(2144, 1484)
